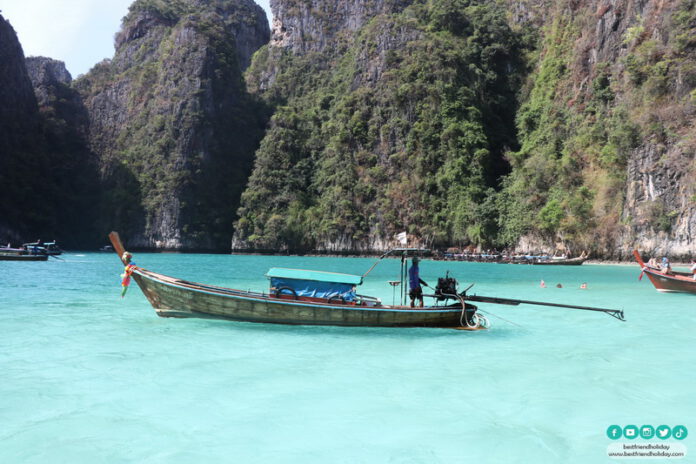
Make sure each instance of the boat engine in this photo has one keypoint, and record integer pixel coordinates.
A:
(446, 288)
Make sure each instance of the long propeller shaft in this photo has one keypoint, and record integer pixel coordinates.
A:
(617, 313)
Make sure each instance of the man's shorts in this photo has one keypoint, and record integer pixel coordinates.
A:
(416, 293)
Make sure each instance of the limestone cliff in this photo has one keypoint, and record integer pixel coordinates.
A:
(600, 155)
(525, 123)
(73, 167)
(307, 26)
(609, 122)
(19, 102)
(19, 122)
(390, 116)
(47, 176)
(172, 123)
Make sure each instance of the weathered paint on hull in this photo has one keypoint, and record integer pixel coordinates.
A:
(171, 298)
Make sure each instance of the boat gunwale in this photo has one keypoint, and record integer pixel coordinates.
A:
(678, 276)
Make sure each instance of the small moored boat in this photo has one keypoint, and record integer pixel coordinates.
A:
(46, 248)
(7, 253)
(557, 260)
(666, 282)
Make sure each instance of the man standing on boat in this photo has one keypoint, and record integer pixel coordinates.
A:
(414, 284)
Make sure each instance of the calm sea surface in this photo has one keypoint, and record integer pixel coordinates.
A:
(86, 376)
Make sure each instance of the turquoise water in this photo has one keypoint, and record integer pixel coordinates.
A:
(89, 377)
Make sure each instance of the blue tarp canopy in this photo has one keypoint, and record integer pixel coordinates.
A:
(315, 284)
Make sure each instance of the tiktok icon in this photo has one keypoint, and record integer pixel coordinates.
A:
(679, 432)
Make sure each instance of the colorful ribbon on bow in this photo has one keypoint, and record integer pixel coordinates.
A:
(127, 278)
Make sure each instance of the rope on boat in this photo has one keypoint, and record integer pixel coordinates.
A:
(502, 318)
(474, 320)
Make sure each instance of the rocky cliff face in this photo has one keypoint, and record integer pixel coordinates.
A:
(306, 28)
(602, 157)
(59, 103)
(546, 123)
(659, 206)
(616, 81)
(73, 167)
(390, 116)
(244, 20)
(310, 26)
(46, 75)
(20, 157)
(172, 123)
(16, 93)
(47, 176)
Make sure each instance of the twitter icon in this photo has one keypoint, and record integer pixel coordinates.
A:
(663, 432)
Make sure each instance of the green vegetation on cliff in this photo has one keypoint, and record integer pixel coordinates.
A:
(365, 119)
(402, 127)
(442, 120)
(173, 125)
(579, 127)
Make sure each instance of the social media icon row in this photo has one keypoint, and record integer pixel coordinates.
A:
(663, 432)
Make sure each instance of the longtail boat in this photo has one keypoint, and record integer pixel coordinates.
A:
(560, 261)
(46, 248)
(517, 259)
(666, 282)
(313, 298)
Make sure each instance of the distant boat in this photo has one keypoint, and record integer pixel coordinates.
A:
(515, 259)
(48, 248)
(7, 253)
(673, 281)
(310, 297)
(559, 260)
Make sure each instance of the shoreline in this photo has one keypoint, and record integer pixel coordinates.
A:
(599, 262)
(595, 261)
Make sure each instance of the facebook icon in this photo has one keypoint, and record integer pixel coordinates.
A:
(614, 432)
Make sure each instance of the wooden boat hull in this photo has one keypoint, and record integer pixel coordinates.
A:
(17, 257)
(172, 297)
(667, 283)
